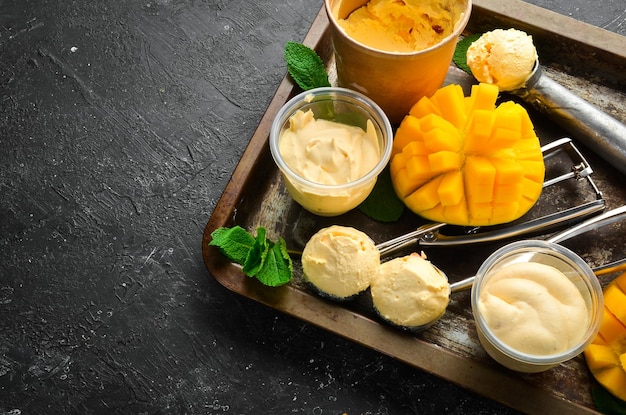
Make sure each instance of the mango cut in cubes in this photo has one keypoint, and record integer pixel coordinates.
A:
(465, 161)
(606, 355)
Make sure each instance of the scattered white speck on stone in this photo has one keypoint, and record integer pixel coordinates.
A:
(73, 49)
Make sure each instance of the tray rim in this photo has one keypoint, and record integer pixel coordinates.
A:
(537, 19)
(410, 349)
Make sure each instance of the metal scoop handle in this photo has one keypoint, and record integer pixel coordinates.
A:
(595, 222)
(596, 129)
(429, 235)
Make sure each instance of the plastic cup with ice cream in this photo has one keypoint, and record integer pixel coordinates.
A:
(330, 145)
(395, 52)
(536, 304)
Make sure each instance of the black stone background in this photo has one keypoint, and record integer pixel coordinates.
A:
(120, 124)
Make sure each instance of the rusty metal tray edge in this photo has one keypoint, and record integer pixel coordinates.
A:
(485, 380)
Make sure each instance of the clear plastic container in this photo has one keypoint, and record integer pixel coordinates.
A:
(344, 106)
(568, 263)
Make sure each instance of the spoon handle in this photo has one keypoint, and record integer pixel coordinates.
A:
(596, 222)
(462, 285)
(596, 129)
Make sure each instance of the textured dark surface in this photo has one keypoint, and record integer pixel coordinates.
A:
(120, 123)
(606, 14)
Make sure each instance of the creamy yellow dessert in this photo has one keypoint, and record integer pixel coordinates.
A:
(328, 152)
(401, 25)
(534, 308)
(410, 292)
(340, 261)
(505, 58)
(328, 158)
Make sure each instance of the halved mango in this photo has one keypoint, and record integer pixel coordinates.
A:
(606, 356)
(487, 159)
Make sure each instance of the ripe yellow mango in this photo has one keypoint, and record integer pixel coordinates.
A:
(606, 355)
(465, 161)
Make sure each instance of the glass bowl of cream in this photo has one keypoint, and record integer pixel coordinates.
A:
(536, 304)
(330, 145)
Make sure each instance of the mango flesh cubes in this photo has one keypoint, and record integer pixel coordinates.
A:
(465, 161)
(606, 355)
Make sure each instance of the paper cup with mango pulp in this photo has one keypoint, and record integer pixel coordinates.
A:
(394, 79)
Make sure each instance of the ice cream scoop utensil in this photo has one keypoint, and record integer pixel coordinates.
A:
(403, 241)
(596, 129)
(430, 235)
(595, 222)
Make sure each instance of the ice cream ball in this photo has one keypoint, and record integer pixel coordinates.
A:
(409, 292)
(505, 58)
(339, 262)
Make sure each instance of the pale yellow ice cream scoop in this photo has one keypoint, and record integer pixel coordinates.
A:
(340, 262)
(508, 59)
(505, 58)
(410, 292)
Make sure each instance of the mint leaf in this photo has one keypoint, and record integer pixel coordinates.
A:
(259, 257)
(256, 255)
(383, 204)
(277, 267)
(606, 402)
(234, 243)
(305, 66)
(460, 53)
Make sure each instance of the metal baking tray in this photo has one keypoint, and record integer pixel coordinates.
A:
(590, 62)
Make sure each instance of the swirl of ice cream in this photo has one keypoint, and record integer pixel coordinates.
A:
(328, 152)
(534, 308)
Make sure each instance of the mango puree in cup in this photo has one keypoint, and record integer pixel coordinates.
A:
(395, 51)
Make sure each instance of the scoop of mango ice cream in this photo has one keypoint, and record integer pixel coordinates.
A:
(410, 292)
(340, 261)
(505, 58)
(401, 26)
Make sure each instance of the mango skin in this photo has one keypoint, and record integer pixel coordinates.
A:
(465, 161)
(606, 355)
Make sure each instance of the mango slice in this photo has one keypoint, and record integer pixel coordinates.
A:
(606, 355)
(465, 161)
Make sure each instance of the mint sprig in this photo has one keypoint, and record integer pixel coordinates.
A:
(606, 402)
(234, 243)
(383, 204)
(260, 258)
(305, 66)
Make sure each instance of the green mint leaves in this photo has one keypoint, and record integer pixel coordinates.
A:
(383, 204)
(234, 243)
(460, 53)
(305, 66)
(260, 258)
(607, 403)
